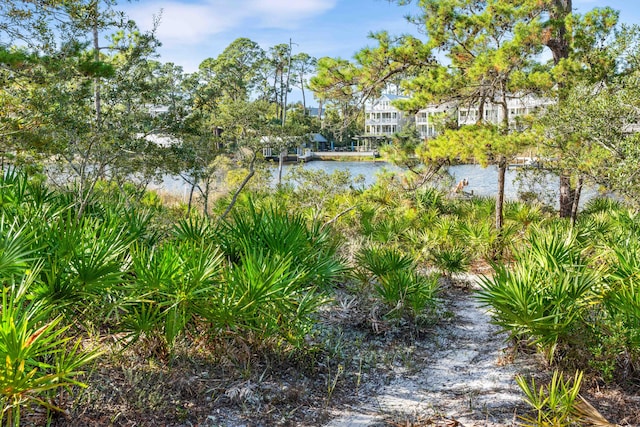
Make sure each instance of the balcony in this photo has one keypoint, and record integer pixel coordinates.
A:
(382, 121)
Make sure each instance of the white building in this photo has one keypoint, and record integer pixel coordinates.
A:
(493, 113)
(384, 119)
(428, 119)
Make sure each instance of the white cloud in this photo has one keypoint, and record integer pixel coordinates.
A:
(185, 23)
(287, 13)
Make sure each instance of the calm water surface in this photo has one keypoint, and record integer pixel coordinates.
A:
(482, 181)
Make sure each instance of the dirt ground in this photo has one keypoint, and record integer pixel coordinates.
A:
(456, 371)
(461, 375)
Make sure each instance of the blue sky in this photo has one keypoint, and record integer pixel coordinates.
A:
(193, 30)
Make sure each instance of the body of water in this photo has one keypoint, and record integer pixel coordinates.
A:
(482, 181)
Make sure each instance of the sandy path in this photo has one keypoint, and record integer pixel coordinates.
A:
(462, 380)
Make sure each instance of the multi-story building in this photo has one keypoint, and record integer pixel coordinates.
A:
(429, 119)
(382, 118)
(493, 113)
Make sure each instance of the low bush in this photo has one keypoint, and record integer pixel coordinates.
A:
(546, 295)
(396, 282)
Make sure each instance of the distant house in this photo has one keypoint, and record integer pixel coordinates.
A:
(428, 119)
(157, 110)
(382, 118)
(518, 106)
(291, 145)
(319, 142)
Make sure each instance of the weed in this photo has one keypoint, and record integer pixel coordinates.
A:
(554, 404)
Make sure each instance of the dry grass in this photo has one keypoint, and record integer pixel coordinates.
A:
(232, 382)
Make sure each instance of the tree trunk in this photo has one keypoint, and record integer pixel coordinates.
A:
(502, 170)
(556, 36)
(304, 102)
(275, 92)
(86, 193)
(280, 164)
(502, 166)
(282, 106)
(576, 202)
(558, 42)
(234, 199)
(96, 58)
(286, 89)
(480, 118)
(193, 188)
(205, 196)
(567, 194)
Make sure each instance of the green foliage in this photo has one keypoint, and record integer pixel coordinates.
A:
(36, 347)
(479, 235)
(401, 150)
(282, 234)
(431, 198)
(319, 195)
(620, 330)
(601, 204)
(575, 291)
(556, 405)
(546, 295)
(85, 261)
(624, 297)
(174, 284)
(194, 229)
(524, 214)
(258, 277)
(268, 295)
(38, 356)
(397, 283)
(382, 261)
(405, 291)
(484, 143)
(450, 261)
(16, 250)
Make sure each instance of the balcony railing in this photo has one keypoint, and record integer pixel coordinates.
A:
(380, 121)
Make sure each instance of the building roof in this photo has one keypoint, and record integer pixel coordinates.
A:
(316, 137)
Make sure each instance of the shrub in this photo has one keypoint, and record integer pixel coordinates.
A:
(268, 295)
(401, 289)
(174, 286)
(37, 354)
(555, 404)
(282, 234)
(450, 261)
(85, 262)
(547, 293)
